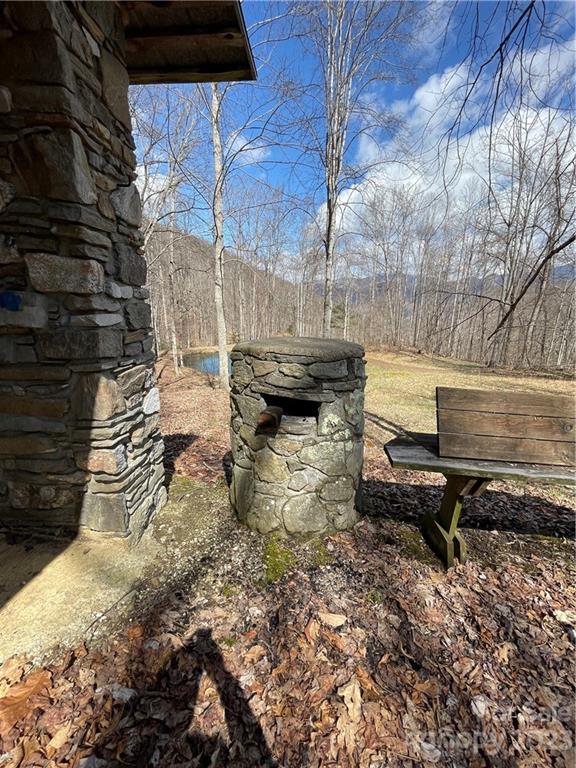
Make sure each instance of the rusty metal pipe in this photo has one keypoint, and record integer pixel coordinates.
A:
(269, 420)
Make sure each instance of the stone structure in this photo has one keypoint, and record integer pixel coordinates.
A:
(79, 439)
(306, 476)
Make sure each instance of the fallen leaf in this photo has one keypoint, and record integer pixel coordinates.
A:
(566, 617)
(311, 631)
(333, 619)
(255, 654)
(14, 704)
(135, 631)
(58, 740)
(352, 699)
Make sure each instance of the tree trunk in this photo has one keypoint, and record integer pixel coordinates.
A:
(218, 219)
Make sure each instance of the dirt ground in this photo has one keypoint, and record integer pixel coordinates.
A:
(354, 650)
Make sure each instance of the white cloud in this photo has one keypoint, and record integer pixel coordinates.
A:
(421, 159)
(246, 151)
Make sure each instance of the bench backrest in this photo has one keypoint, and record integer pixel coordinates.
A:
(506, 426)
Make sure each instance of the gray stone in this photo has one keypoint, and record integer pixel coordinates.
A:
(26, 317)
(306, 479)
(251, 439)
(53, 165)
(115, 86)
(270, 467)
(281, 381)
(138, 314)
(80, 343)
(359, 368)
(335, 370)
(26, 445)
(301, 394)
(87, 236)
(5, 100)
(242, 374)
(264, 513)
(342, 516)
(126, 204)
(313, 349)
(118, 291)
(27, 496)
(132, 350)
(354, 457)
(328, 457)
(28, 405)
(97, 397)
(242, 491)
(151, 403)
(11, 423)
(304, 514)
(293, 369)
(58, 274)
(97, 302)
(263, 367)
(284, 446)
(331, 418)
(249, 408)
(100, 320)
(297, 425)
(108, 460)
(9, 254)
(104, 512)
(342, 386)
(38, 56)
(7, 194)
(132, 380)
(338, 489)
(132, 266)
(354, 410)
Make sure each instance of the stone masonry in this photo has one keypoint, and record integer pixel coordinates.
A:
(79, 439)
(305, 478)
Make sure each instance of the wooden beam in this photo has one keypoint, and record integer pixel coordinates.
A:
(165, 35)
(147, 75)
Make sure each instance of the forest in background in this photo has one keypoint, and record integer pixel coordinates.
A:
(306, 204)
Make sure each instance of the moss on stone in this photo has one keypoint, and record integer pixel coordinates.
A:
(320, 555)
(278, 559)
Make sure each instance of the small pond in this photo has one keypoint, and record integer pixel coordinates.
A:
(207, 362)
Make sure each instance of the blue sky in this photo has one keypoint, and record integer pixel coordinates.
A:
(425, 98)
(442, 45)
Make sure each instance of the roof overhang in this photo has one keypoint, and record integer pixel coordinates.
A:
(186, 42)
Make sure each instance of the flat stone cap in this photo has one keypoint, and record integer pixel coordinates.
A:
(315, 349)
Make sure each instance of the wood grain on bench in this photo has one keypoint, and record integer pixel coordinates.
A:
(521, 427)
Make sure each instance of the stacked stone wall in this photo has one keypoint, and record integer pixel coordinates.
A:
(79, 438)
(306, 477)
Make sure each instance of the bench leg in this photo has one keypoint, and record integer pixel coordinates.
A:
(441, 530)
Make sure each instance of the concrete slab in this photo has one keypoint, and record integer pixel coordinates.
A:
(60, 593)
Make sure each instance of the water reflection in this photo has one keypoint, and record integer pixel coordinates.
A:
(206, 362)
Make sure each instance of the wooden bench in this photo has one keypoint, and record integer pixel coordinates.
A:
(464, 477)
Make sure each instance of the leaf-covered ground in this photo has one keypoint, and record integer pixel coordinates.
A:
(357, 650)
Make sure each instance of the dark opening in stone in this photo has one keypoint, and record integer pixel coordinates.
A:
(291, 406)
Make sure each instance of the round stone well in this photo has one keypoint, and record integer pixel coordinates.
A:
(297, 434)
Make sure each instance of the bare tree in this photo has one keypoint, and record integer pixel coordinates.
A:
(356, 46)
